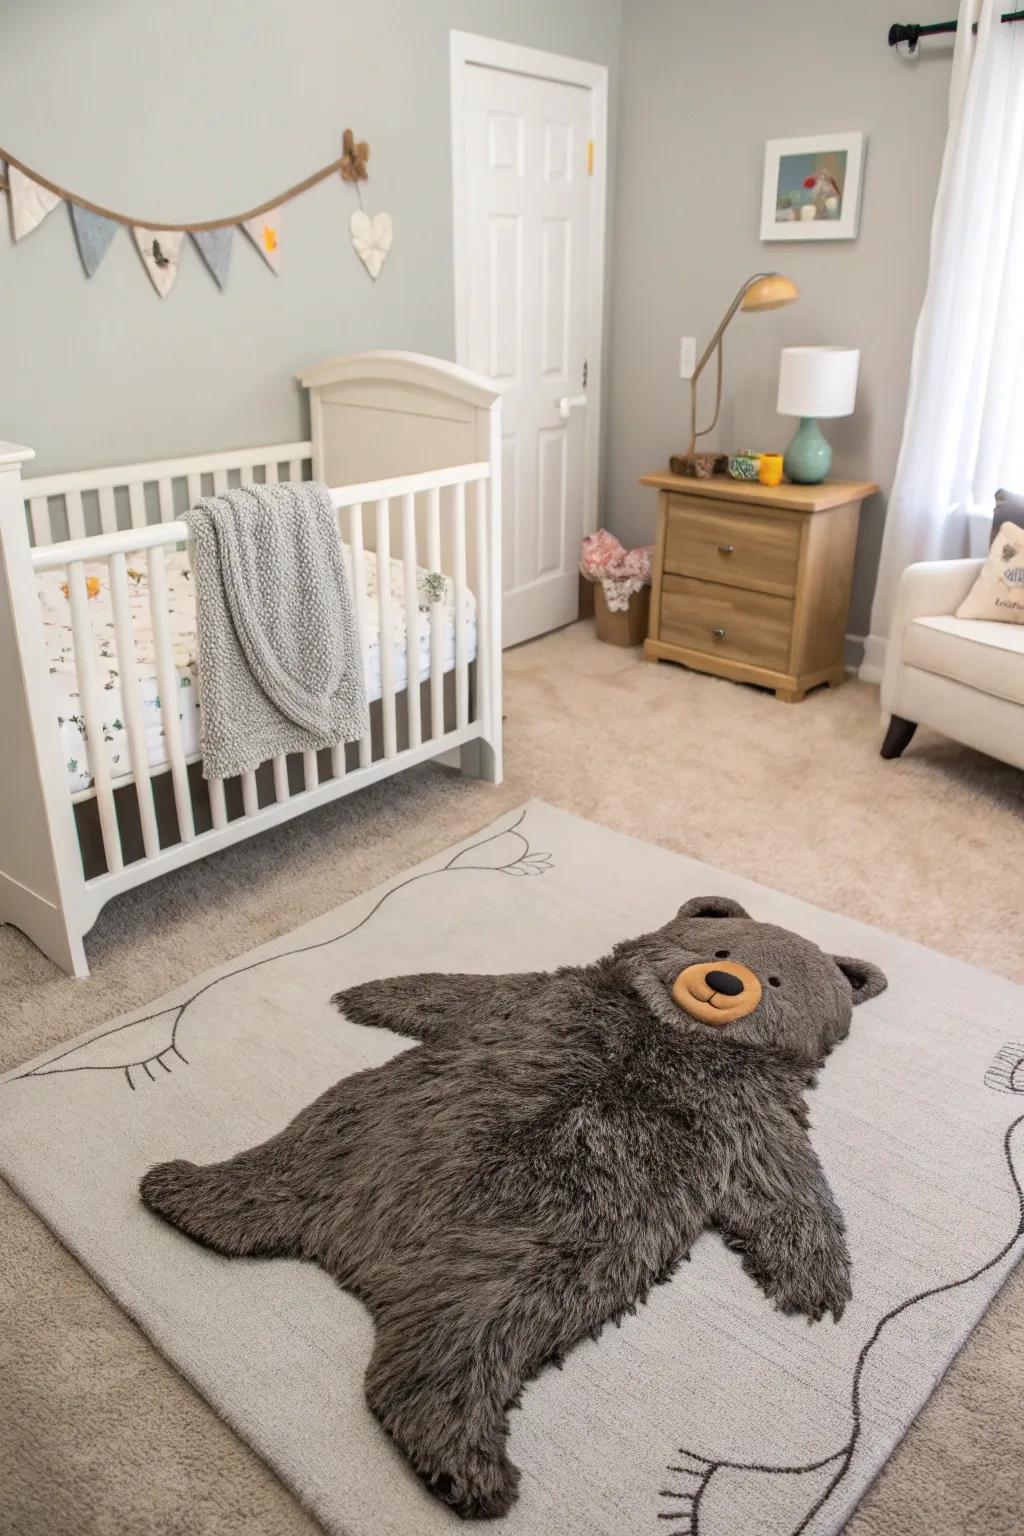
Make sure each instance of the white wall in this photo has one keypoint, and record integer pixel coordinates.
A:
(702, 86)
(193, 109)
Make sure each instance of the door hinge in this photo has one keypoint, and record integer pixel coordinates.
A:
(586, 370)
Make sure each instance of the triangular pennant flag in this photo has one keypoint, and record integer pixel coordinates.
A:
(160, 250)
(94, 234)
(214, 247)
(30, 203)
(265, 234)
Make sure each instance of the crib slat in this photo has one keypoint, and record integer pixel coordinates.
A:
(270, 470)
(355, 541)
(195, 488)
(461, 649)
(386, 631)
(137, 504)
(295, 469)
(220, 481)
(167, 681)
(245, 475)
(310, 770)
(250, 793)
(165, 494)
(281, 790)
(483, 650)
(218, 805)
(75, 515)
(412, 620)
(89, 692)
(39, 511)
(131, 703)
(436, 617)
(108, 509)
(338, 765)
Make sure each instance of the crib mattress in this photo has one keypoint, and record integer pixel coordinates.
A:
(433, 589)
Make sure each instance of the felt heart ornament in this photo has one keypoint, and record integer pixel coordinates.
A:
(30, 203)
(372, 239)
(160, 250)
(265, 233)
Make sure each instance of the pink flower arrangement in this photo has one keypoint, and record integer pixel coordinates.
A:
(620, 571)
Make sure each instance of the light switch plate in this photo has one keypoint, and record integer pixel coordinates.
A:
(687, 356)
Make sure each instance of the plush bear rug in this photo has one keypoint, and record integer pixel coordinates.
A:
(708, 1412)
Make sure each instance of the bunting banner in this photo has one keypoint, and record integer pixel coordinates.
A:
(93, 233)
(30, 203)
(265, 234)
(214, 246)
(32, 196)
(160, 250)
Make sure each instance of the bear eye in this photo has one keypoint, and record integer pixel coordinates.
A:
(721, 954)
(773, 981)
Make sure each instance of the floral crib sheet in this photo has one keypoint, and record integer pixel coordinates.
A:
(433, 588)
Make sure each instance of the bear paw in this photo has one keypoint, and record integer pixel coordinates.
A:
(811, 1276)
(168, 1188)
(481, 1488)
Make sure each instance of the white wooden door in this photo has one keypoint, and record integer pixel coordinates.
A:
(526, 270)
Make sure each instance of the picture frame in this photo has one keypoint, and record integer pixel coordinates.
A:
(812, 187)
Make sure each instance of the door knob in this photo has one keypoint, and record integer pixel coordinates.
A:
(568, 403)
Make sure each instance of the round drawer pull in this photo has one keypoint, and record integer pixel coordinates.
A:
(718, 633)
(726, 549)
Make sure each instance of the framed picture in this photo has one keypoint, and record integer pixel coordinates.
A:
(812, 187)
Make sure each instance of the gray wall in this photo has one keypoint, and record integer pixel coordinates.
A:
(702, 86)
(195, 109)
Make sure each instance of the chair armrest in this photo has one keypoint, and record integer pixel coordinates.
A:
(927, 590)
(933, 587)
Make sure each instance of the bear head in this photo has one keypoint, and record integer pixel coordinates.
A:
(715, 972)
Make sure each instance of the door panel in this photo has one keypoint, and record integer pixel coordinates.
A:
(527, 194)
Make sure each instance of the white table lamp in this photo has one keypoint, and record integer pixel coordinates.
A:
(813, 382)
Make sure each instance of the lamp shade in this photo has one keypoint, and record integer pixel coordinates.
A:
(769, 291)
(818, 381)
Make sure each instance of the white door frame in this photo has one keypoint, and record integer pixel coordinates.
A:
(468, 48)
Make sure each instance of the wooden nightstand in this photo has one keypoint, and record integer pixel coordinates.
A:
(752, 582)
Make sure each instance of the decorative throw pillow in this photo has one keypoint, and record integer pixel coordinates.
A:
(998, 592)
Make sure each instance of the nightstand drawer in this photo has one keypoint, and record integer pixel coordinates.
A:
(707, 540)
(725, 621)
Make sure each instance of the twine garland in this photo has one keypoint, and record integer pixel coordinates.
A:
(350, 165)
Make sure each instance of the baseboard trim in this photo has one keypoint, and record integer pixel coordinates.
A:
(873, 665)
(853, 652)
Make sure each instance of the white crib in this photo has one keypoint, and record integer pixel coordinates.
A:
(411, 448)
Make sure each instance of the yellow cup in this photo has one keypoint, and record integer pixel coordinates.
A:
(770, 469)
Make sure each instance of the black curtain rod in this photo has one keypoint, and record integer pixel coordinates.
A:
(909, 32)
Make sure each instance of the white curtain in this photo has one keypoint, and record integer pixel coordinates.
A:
(963, 434)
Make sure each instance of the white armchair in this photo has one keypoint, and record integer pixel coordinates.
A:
(963, 677)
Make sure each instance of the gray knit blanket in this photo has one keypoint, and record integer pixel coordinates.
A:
(280, 665)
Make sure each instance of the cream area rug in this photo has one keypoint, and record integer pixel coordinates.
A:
(708, 1412)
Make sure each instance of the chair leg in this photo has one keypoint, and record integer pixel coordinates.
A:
(897, 737)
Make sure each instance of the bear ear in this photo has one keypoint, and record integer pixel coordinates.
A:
(711, 906)
(865, 979)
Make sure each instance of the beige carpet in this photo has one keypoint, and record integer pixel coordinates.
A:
(98, 1435)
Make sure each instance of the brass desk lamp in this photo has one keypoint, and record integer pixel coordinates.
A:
(765, 290)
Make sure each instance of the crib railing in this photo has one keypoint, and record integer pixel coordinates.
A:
(445, 509)
(136, 495)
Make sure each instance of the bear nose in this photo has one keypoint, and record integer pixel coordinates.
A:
(722, 981)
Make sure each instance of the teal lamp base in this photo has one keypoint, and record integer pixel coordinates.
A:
(808, 458)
